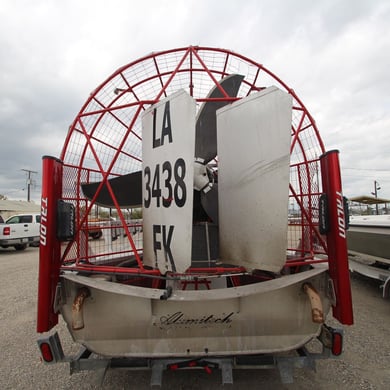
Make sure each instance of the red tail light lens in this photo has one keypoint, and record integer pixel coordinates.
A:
(6, 231)
(46, 352)
(337, 343)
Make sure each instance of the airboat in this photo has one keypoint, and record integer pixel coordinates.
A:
(230, 236)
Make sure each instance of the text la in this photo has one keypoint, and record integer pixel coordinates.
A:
(166, 127)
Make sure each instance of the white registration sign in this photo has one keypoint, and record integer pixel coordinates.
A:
(168, 142)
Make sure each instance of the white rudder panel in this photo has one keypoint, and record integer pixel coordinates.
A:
(254, 137)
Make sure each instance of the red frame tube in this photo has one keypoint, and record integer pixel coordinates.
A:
(337, 237)
(50, 246)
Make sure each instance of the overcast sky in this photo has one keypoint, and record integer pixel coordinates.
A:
(335, 54)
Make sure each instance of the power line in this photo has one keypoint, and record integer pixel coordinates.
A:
(369, 169)
(367, 177)
(29, 182)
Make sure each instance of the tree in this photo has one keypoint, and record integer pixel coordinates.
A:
(3, 197)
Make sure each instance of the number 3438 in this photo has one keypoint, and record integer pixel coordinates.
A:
(165, 183)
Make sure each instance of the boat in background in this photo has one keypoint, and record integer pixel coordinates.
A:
(368, 240)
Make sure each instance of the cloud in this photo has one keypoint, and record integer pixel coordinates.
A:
(332, 53)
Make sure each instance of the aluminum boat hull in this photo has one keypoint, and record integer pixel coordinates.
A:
(267, 317)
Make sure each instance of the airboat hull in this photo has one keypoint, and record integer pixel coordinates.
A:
(128, 321)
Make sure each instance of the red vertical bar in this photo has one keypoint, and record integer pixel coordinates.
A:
(336, 237)
(50, 246)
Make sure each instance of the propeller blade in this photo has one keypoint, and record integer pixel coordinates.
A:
(127, 190)
(206, 122)
(206, 141)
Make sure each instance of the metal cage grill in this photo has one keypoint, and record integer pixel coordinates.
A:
(105, 141)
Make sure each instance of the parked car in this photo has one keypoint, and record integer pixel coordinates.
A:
(97, 225)
(20, 231)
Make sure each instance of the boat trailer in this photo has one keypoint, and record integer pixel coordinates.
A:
(330, 339)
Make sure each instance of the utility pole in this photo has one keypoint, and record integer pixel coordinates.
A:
(28, 182)
(375, 193)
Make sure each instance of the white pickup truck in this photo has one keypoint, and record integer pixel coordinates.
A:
(20, 231)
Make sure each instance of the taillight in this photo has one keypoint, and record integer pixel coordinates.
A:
(51, 349)
(332, 339)
(46, 352)
(337, 343)
(6, 231)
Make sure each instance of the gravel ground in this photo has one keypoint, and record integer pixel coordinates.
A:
(365, 363)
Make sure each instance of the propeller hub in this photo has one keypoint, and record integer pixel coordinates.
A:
(201, 178)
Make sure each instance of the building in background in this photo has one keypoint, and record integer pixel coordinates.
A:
(12, 207)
